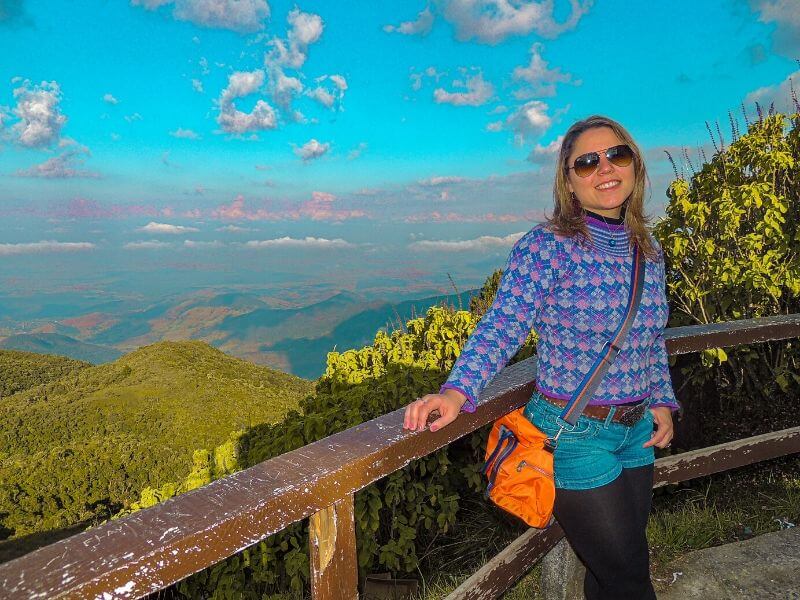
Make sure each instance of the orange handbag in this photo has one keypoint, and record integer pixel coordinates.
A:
(519, 457)
(520, 469)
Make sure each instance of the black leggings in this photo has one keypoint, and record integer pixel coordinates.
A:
(606, 527)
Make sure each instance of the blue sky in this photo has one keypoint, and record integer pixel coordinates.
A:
(155, 147)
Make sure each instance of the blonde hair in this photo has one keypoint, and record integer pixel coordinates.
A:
(568, 215)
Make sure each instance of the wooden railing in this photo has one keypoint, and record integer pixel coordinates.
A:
(154, 548)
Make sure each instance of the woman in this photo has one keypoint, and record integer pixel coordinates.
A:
(569, 279)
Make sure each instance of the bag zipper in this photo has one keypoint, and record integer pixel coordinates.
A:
(495, 467)
(524, 464)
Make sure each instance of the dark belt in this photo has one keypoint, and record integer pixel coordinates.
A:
(626, 414)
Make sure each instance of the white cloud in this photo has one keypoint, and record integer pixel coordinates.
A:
(134, 117)
(110, 99)
(44, 247)
(494, 126)
(153, 227)
(304, 29)
(194, 244)
(541, 79)
(339, 81)
(530, 119)
(492, 21)
(322, 96)
(241, 83)
(779, 95)
(40, 119)
(441, 180)
(329, 98)
(64, 166)
(243, 16)
(197, 85)
(147, 245)
(312, 149)
(187, 134)
(357, 151)
(478, 92)
(484, 242)
(786, 16)
(231, 119)
(234, 229)
(284, 88)
(262, 117)
(546, 154)
(307, 242)
(422, 25)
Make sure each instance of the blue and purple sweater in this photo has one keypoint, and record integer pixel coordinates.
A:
(573, 293)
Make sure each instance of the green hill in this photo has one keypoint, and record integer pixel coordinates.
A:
(20, 371)
(62, 345)
(76, 447)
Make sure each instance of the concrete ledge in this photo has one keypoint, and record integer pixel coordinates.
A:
(767, 566)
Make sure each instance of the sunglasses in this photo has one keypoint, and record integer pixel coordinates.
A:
(586, 164)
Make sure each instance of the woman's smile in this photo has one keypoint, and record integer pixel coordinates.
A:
(605, 190)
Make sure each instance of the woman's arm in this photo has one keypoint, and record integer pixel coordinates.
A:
(661, 391)
(528, 277)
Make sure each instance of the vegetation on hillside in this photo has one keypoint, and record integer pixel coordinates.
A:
(20, 371)
(80, 446)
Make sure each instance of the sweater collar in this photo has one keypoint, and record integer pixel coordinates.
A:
(607, 234)
(602, 220)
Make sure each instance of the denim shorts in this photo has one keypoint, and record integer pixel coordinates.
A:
(593, 452)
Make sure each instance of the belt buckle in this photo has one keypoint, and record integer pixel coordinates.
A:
(631, 417)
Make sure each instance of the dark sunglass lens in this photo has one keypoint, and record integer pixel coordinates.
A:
(621, 155)
(585, 164)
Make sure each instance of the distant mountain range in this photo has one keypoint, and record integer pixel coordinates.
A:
(61, 345)
(294, 340)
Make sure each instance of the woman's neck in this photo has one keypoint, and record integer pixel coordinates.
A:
(614, 220)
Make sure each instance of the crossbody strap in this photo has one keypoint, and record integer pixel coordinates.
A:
(585, 391)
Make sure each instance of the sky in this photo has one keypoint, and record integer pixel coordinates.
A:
(154, 147)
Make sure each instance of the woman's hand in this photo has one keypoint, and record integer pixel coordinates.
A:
(662, 436)
(448, 404)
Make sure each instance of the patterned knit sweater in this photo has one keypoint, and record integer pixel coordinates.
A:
(573, 293)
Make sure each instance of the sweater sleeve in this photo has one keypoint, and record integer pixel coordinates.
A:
(661, 392)
(528, 275)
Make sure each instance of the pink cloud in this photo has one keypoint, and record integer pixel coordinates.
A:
(84, 208)
(452, 217)
(319, 208)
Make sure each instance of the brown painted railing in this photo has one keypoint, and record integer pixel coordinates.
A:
(154, 548)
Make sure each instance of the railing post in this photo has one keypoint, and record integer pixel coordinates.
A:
(334, 563)
(562, 573)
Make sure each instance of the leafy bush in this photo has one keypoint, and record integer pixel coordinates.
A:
(731, 237)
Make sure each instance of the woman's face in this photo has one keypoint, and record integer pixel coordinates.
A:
(609, 186)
